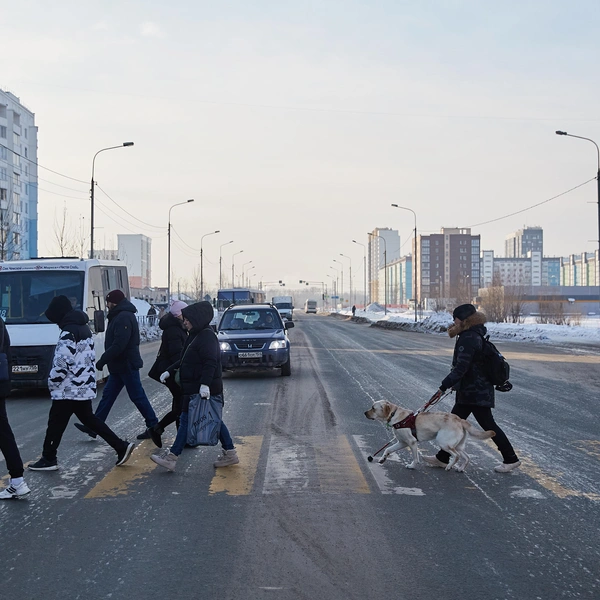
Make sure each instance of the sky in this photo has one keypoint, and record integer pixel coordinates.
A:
(295, 125)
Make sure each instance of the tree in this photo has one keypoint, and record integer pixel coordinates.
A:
(514, 299)
(63, 235)
(493, 303)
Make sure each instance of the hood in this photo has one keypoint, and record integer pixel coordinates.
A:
(199, 314)
(74, 317)
(168, 320)
(478, 319)
(123, 306)
(57, 309)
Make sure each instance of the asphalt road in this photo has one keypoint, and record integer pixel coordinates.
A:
(304, 515)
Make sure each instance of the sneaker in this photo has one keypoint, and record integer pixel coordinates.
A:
(145, 435)
(507, 467)
(18, 492)
(227, 458)
(165, 459)
(87, 430)
(434, 461)
(123, 456)
(44, 465)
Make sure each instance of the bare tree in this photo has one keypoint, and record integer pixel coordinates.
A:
(552, 312)
(195, 289)
(63, 235)
(492, 301)
(514, 299)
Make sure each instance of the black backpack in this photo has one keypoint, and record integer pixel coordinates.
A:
(495, 366)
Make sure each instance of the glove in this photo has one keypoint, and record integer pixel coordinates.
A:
(99, 366)
(164, 376)
(204, 391)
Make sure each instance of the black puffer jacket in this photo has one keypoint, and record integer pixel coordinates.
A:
(200, 361)
(467, 376)
(171, 343)
(122, 340)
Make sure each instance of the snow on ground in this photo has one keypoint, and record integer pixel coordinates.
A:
(147, 332)
(587, 332)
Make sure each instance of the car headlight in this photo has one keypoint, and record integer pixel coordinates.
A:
(277, 345)
(225, 347)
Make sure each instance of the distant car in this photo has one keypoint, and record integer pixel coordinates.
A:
(254, 337)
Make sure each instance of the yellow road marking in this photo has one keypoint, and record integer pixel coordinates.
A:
(339, 471)
(238, 480)
(118, 481)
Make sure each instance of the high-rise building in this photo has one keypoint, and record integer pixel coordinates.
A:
(135, 251)
(18, 179)
(528, 239)
(383, 248)
(525, 273)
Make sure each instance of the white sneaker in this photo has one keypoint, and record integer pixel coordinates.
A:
(434, 461)
(165, 459)
(227, 458)
(507, 467)
(19, 491)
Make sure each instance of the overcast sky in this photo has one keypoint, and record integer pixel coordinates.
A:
(295, 125)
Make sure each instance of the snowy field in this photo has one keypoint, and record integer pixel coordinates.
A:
(587, 332)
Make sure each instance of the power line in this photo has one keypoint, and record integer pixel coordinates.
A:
(133, 216)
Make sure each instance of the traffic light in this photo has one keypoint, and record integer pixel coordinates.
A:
(323, 297)
(301, 281)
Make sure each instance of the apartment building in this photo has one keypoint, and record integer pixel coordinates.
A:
(580, 269)
(532, 271)
(383, 248)
(18, 179)
(135, 250)
(523, 241)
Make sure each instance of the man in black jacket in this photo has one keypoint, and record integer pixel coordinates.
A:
(474, 391)
(123, 359)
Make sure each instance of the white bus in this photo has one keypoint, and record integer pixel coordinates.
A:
(26, 288)
(310, 306)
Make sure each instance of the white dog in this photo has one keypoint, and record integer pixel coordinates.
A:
(448, 430)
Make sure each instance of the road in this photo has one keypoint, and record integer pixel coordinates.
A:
(304, 515)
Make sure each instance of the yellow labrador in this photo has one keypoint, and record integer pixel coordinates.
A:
(448, 431)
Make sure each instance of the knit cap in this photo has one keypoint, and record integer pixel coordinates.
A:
(177, 307)
(115, 296)
(464, 311)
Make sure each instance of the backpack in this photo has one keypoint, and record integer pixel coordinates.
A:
(496, 369)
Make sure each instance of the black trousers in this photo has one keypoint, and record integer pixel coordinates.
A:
(173, 415)
(484, 417)
(8, 445)
(60, 413)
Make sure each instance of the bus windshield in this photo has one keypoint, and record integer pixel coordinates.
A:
(25, 295)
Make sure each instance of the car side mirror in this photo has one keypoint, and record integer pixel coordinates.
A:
(289, 324)
(98, 321)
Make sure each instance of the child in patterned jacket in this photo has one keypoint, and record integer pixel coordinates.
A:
(72, 385)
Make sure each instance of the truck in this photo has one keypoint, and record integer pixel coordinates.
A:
(285, 306)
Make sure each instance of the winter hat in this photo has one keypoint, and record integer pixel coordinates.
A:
(177, 307)
(57, 309)
(464, 311)
(115, 296)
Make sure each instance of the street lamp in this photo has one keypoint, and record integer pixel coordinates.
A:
(598, 183)
(364, 268)
(337, 287)
(221, 262)
(233, 267)
(333, 284)
(350, 275)
(339, 262)
(243, 267)
(169, 250)
(414, 257)
(248, 276)
(123, 145)
(202, 263)
(385, 277)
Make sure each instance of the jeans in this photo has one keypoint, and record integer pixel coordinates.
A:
(180, 440)
(60, 413)
(483, 415)
(133, 384)
(8, 445)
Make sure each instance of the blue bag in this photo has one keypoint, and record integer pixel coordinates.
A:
(204, 420)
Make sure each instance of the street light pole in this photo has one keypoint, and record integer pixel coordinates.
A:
(123, 145)
(248, 276)
(414, 258)
(598, 196)
(221, 263)
(337, 287)
(233, 267)
(339, 262)
(243, 267)
(364, 268)
(169, 251)
(202, 263)
(385, 277)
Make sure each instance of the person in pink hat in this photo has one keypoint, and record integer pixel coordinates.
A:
(171, 344)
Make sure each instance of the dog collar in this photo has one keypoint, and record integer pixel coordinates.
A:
(391, 417)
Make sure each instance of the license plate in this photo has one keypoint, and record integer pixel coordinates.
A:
(250, 354)
(25, 369)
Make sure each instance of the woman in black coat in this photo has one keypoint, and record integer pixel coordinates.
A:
(199, 372)
(17, 488)
(172, 341)
(474, 391)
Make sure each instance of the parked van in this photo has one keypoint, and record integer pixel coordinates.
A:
(310, 306)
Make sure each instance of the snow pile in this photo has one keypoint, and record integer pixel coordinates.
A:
(147, 332)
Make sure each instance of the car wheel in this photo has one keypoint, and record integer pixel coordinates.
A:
(286, 368)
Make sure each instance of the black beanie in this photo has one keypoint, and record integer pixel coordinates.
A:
(464, 311)
(57, 309)
(115, 296)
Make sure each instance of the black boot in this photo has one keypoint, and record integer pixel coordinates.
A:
(155, 433)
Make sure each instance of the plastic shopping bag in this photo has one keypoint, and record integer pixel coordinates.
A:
(204, 420)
